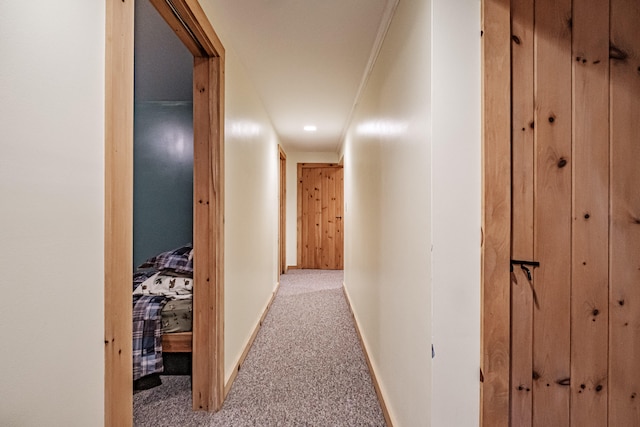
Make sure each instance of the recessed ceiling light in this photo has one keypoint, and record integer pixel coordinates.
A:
(310, 128)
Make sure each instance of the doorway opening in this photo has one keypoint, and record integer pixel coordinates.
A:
(190, 23)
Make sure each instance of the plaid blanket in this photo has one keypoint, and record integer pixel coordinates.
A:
(179, 260)
(147, 319)
(147, 335)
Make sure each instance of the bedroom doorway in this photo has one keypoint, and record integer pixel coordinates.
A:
(191, 25)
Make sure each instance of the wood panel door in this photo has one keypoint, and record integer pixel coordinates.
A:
(320, 216)
(575, 340)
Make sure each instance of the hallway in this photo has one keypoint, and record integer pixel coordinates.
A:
(306, 367)
(408, 136)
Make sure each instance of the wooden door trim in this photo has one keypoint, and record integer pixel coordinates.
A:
(496, 213)
(282, 234)
(118, 237)
(318, 165)
(208, 209)
(299, 202)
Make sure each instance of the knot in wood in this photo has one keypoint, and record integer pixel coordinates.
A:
(616, 53)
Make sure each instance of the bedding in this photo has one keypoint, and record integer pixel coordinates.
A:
(147, 335)
(163, 281)
(177, 316)
(179, 260)
(153, 316)
(175, 287)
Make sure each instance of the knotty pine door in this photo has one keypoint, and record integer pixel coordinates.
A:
(320, 216)
(575, 318)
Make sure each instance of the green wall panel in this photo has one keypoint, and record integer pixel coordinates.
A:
(163, 177)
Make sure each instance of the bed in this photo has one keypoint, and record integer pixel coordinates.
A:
(162, 309)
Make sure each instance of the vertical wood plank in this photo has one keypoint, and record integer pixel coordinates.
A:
(308, 243)
(522, 174)
(329, 232)
(202, 195)
(496, 213)
(217, 135)
(551, 333)
(208, 313)
(118, 251)
(590, 234)
(317, 177)
(624, 368)
(324, 222)
(307, 212)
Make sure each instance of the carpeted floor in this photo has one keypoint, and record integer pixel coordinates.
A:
(306, 368)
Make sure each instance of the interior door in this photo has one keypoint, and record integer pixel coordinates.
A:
(320, 216)
(575, 235)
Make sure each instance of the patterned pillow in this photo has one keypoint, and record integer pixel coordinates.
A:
(160, 284)
(178, 260)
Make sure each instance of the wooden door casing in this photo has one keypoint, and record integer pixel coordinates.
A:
(320, 216)
(282, 235)
(192, 26)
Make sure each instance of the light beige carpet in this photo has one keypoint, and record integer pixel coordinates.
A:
(306, 368)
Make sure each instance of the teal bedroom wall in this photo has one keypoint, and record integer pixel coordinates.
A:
(163, 137)
(162, 177)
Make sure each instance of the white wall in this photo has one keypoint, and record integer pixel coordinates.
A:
(252, 186)
(293, 158)
(251, 211)
(52, 213)
(456, 212)
(412, 177)
(387, 159)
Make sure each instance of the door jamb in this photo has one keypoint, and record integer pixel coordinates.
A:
(189, 21)
(282, 235)
(496, 213)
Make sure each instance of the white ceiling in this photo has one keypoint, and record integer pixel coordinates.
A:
(307, 58)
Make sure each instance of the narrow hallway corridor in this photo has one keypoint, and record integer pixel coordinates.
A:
(306, 368)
